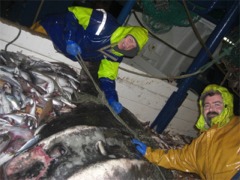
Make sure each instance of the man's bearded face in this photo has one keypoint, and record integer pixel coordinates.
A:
(212, 107)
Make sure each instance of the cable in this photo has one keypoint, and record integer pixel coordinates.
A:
(198, 35)
(195, 30)
(38, 11)
(200, 70)
(19, 32)
(204, 46)
(192, 57)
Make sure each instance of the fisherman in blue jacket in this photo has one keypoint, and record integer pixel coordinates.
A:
(96, 35)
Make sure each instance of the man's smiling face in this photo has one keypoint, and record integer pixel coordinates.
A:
(212, 106)
(127, 43)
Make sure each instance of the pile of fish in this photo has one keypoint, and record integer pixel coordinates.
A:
(53, 126)
(32, 92)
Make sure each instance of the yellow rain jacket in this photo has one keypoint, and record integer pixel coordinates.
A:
(215, 154)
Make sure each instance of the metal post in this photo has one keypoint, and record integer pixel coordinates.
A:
(125, 11)
(176, 99)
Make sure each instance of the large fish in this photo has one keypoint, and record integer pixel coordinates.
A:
(86, 145)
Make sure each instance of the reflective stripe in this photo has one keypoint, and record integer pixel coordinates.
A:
(100, 28)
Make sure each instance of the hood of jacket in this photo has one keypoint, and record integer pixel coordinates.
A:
(139, 33)
(225, 116)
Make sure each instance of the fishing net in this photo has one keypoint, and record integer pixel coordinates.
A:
(161, 15)
(231, 63)
(233, 41)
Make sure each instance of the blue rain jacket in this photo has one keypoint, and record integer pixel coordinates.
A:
(65, 27)
(81, 25)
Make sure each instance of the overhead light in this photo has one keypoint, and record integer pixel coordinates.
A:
(228, 41)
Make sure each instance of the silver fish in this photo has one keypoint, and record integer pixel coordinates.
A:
(8, 77)
(15, 118)
(66, 101)
(5, 104)
(30, 143)
(50, 83)
(15, 104)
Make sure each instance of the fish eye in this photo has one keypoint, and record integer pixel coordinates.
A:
(62, 150)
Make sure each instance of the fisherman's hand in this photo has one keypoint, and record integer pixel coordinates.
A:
(140, 146)
(73, 48)
(116, 106)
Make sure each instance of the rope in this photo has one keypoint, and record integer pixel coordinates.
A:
(200, 70)
(38, 11)
(195, 30)
(102, 96)
(173, 48)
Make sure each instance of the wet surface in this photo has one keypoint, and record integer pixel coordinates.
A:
(79, 138)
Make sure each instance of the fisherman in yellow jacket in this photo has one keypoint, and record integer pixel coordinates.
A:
(215, 154)
(97, 36)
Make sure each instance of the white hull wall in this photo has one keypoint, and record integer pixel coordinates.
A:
(157, 58)
(144, 97)
(30, 43)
